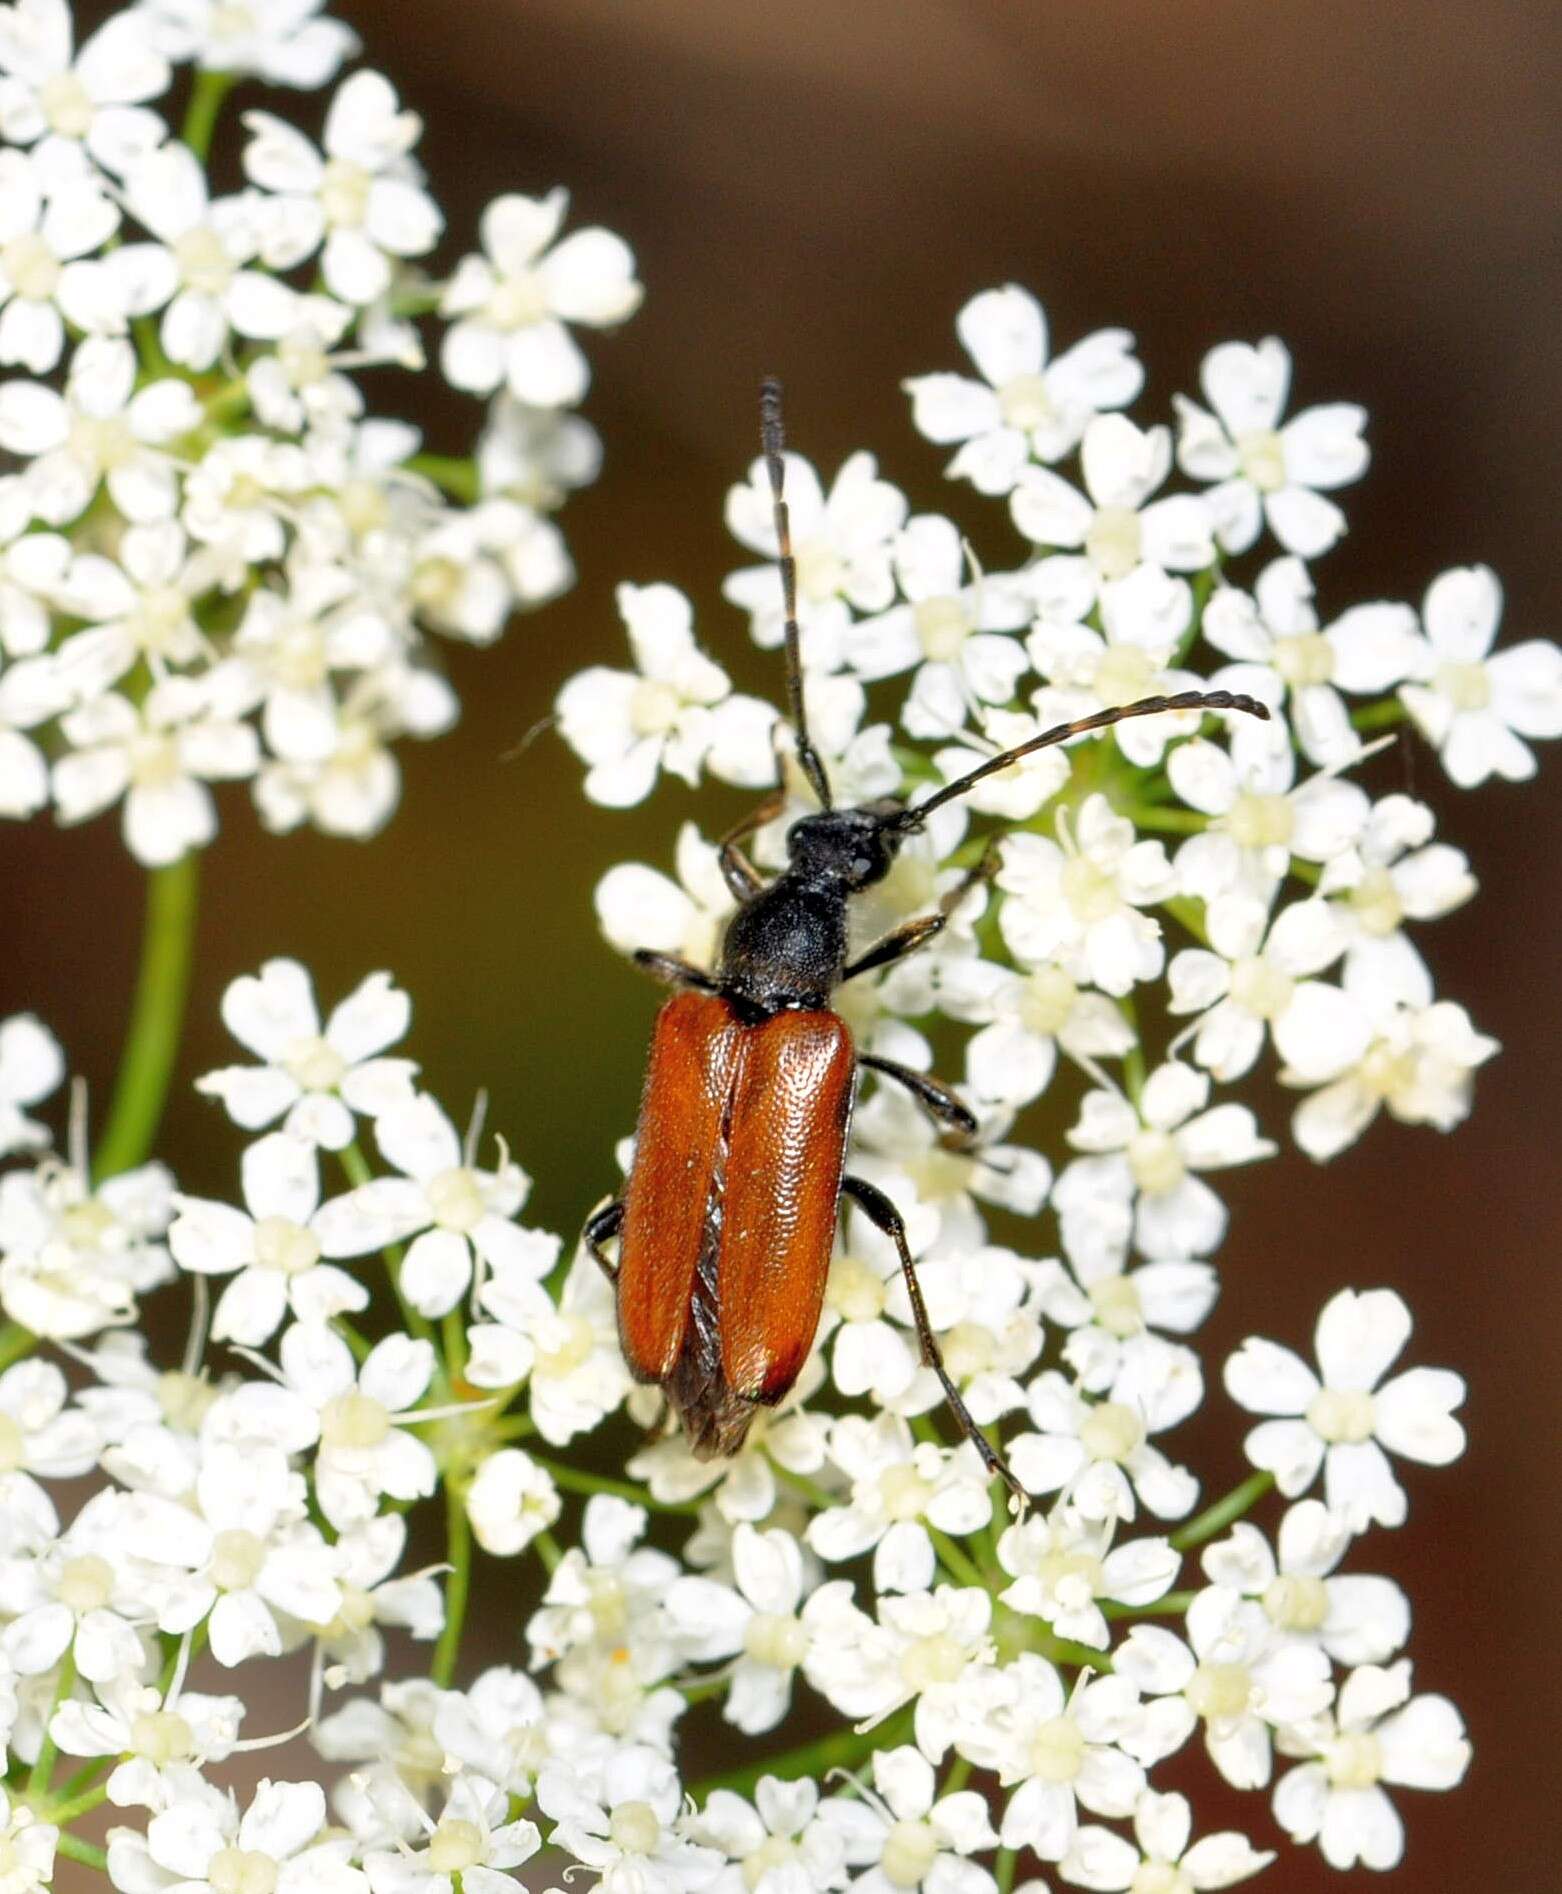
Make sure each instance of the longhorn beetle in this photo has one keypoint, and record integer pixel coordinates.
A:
(727, 1224)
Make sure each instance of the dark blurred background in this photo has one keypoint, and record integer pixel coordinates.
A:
(815, 190)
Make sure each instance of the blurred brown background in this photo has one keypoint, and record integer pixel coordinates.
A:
(816, 189)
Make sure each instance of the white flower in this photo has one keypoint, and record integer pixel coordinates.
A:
(1279, 650)
(1151, 1157)
(639, 908)
(194, 1843)
(1340, 1423)
(1265, 471)
(511, 306)
(138, 606)
(46, 275)
(361, 199)
(578, 1375)
(1419, 1064)
(159, 755)
(1163, 1825)
(273, 1248)
(1030, 407)
(74, 1259)
(1026, 1016)
(535, 456)
(948, 629)
(497, 1727)
(472, 1840)
(1379, 1734)
(628, 1832)
(782, 1843)
(28, 1846)
(1098, 1454)
(843, 544)
(196, 270)
(511, 1500)
(1062, 1564)
(1253, 981)
(318, 1079)
(102, 428)
(1477, 709)
(677, 714)
(31, 692)
(755, 1619)
(1077, 900)
(93, 99)
(75, 1595)
(1356, 1618)
(448, 1206)
(1115, 525)
(1112, 1309)
(362, 1561)
(1241, 1678)
(31, 1066)
(282, 42)
(1060, 1749)
(913, 1840)
(39, 1433)
(146, 1733)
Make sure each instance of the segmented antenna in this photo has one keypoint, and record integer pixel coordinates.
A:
(772, 441)
(1061, 733)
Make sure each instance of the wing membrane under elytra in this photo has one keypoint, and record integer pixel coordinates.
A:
(790, 1111)
(673, 1203)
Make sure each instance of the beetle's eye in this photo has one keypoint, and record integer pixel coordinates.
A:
(861, 866)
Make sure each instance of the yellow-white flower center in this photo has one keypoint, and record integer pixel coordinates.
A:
(1308, 658)
(654, 708)
(1125, 674)
(518, 301)
(1111, 1431)
(353, 1421)
(970, 1349)
(298, 657)
(942, 627)
(315, 1063)
(1024, 403)
(1262, 458)
(455, 1845)
(437, 585)
(183, 1399)
(456, 1199)
(1090, 892)
(904, 1492)
(344, 192)
(939, 1174)
(1387, 1072)
(241, 1871)
(66, 104)
(204, 261)
(1113, 541)
(282, 1244)
(1259, 821)
(1221, 1693)
(1073, 1577)
(910, 1849)
(773, 1639)
(154, 759)
(91, 1226)
(1342, 1416)
(231, 22)
(572, 1342)
(775, 1851)
(1260, 987)
(160, 620)
(1159, 1877)
(931, 1660)
(1057, 1750)
(162, 1736)
(1296, 1603)
(363, 503)
(31, 265)
(86, 1583)
(1046, 1001)
(856, 1290)
(635, 1828)
(237, 1556)
(13, 1445)
(1115, 1300)
(821, 572)
(1155, 1161)
(1354, 1760)
(355, 1612)
(1376, 904)
(1466, 686)
(103, 441)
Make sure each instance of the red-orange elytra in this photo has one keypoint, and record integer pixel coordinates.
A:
(727, 1224)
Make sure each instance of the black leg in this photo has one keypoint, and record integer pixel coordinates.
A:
(916, 933)
(672, 971)
(743, 879)
(601, 1227)
(883, 1215)
(937, 1099)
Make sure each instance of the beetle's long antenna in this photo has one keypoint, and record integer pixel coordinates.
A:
(772, 441)
(1063, 732)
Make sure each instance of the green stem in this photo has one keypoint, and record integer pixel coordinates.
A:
(1172, 1605)
(1383, 716)
(458, 1549)
(955, 1561)
(575, 1480)
(15, 1341)
(78, 1850)
(206, 100)
(42, 1773)
(452, 473)
(66, 1812)
(1169, 821)
(1241, 1499)
(156, 1015)
(842, 1749)
(1003, 1869)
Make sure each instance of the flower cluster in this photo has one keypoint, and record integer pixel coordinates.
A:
(1173, 904)
(216, 563)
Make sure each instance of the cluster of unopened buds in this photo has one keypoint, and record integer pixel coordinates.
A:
(215, 565)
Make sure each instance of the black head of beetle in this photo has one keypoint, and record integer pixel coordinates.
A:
(849, 848)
